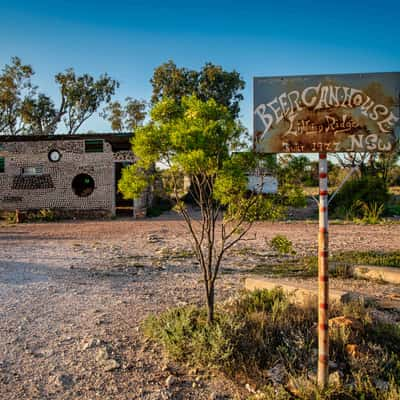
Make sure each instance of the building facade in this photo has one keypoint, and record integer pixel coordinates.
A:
(69, 174)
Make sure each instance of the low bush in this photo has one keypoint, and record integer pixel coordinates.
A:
(264, 208)
(261, 330)
(370, 213)
(282, 245)
(393, 210)
(11, 217)
(361, 198)
(379, 258)
(159, 206)
(42, 215)
(292, 195)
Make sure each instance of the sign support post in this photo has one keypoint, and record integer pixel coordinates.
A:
(339, 113)
(323, 274)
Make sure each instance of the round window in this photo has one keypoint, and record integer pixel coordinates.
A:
(54, 155)
(83, 185)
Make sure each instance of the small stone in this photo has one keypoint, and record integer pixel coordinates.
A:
(110, 365)
(153, 239)
(170, 381)
(91, 343)
(214, 396)
(102, 354)
(62, 380)
(194, 385)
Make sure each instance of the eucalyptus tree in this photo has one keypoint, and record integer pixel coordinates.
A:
(26, 110)
(127, 116)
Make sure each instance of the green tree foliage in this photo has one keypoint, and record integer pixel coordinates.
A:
(15, 86)
(195, 138)
(135, 113)
(125, 117)
(169, 81)
(39, 115)
(223, 86)
(368, 190)
(387, 164)
(24, 110)
(114, 114)
(81, 97)
(211, 82)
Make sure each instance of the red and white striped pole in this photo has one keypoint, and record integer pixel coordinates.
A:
(323, 281)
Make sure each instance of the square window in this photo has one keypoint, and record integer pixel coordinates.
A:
(94, 146)
(32, 171)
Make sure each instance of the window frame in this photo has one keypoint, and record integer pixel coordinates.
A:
(90, 145)
(32, 170)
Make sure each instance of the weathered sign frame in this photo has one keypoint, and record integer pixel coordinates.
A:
(327, 113)
(321, 114)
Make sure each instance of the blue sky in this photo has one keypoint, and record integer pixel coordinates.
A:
(128, 39)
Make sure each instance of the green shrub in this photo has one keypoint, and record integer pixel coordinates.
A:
(42, 215)
(264, 208)
(392, 209)
(186, 336)
(159, 206)
(282, 245)
(292, 195)
(308, 266)
(11, 217)
(261, 329)
(389, 259)
(370, 213)
(368, 190)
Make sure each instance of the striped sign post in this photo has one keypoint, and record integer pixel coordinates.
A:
(326, 114)
(323, 276)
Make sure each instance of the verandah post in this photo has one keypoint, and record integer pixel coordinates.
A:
(323, 275)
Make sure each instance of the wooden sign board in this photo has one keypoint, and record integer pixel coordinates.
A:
(327, 113)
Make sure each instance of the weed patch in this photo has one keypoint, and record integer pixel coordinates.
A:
(261, 330)
(282, 245)
(308, 266)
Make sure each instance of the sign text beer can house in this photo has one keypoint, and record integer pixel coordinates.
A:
(327, 113)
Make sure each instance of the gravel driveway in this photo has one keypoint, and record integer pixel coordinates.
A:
(73, 295)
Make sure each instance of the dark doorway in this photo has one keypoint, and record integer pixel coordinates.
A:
(122, 206)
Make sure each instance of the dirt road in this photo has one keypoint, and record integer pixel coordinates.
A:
(73, 295)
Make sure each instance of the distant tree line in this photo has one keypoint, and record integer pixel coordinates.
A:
(26, 110)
